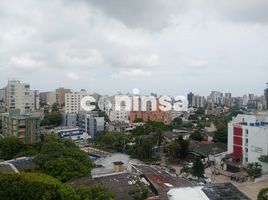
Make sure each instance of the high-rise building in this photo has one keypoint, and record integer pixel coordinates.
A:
(73, 101)
(198, 101)
(190, 98)
(60, 95)
(19, 96)
(217, 97)
(228, 95)
(3, 94)
(266, 95)
(24, 127)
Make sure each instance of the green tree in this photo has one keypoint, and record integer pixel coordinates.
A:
(160, 137)
(53, 119)
(140, 192)
(184, 144)
(176, 123)
(254, 169)
(37, 186)
(196, 135)
(173, 150)
(94, 192)
(221, 133)
(55, 107)
(34, 186)
(198, 168)
(60, 158)
(263, 194)
(10, 147)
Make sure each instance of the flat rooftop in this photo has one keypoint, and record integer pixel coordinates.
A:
(217, 191)
(118, 184)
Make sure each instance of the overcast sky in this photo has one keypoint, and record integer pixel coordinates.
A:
(165, 46)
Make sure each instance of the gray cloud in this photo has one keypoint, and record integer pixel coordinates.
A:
(167, 45)
(147, 14)
(245, 11)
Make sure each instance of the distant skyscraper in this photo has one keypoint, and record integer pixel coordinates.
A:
(217, 97)
(198, 101)
(190, 98)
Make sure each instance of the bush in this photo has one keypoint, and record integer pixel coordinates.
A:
(263, 194)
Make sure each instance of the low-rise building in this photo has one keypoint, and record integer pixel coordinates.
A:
(248, 137)
(73, 133)
(24, 127)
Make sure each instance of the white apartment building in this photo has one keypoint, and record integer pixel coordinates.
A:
(198, 101)
(73, 101)
(107, 103)
(248, 137)
(20, 96)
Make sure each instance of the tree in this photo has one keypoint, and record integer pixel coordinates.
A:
(160, 137)
(34, 186)
(55, 107)
(263, 194)
(94, 192)
(140, 192)
(198, 168)
(197, 136)
(60, 158)
(37, 186)
(177, 149)
(184, 144)
(173, 150)
(53, 118)
(263, 159)
(221, 133)
(176, 123)
(10, 147)
(254, 169)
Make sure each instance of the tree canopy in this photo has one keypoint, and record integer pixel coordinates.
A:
(36, 186)
(61, 159)
(10, 147)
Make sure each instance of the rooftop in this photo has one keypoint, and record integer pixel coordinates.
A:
(118, 184)
(207, 148)
(218, 191)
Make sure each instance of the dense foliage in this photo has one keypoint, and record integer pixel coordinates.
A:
(52, 119)
(10, 147)
(177, 149)
(263, 194)
(140, 192)
(198, 168)
(263, 159)
(254, 169)
(196, 135)
(36, 186)
(61, 159)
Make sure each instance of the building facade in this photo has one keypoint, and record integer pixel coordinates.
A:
(24, 127)
(248, 137)
(19, 96)
(73, 101)
(73, 133)
(60, 95)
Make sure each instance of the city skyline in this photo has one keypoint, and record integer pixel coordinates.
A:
(168, 47)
